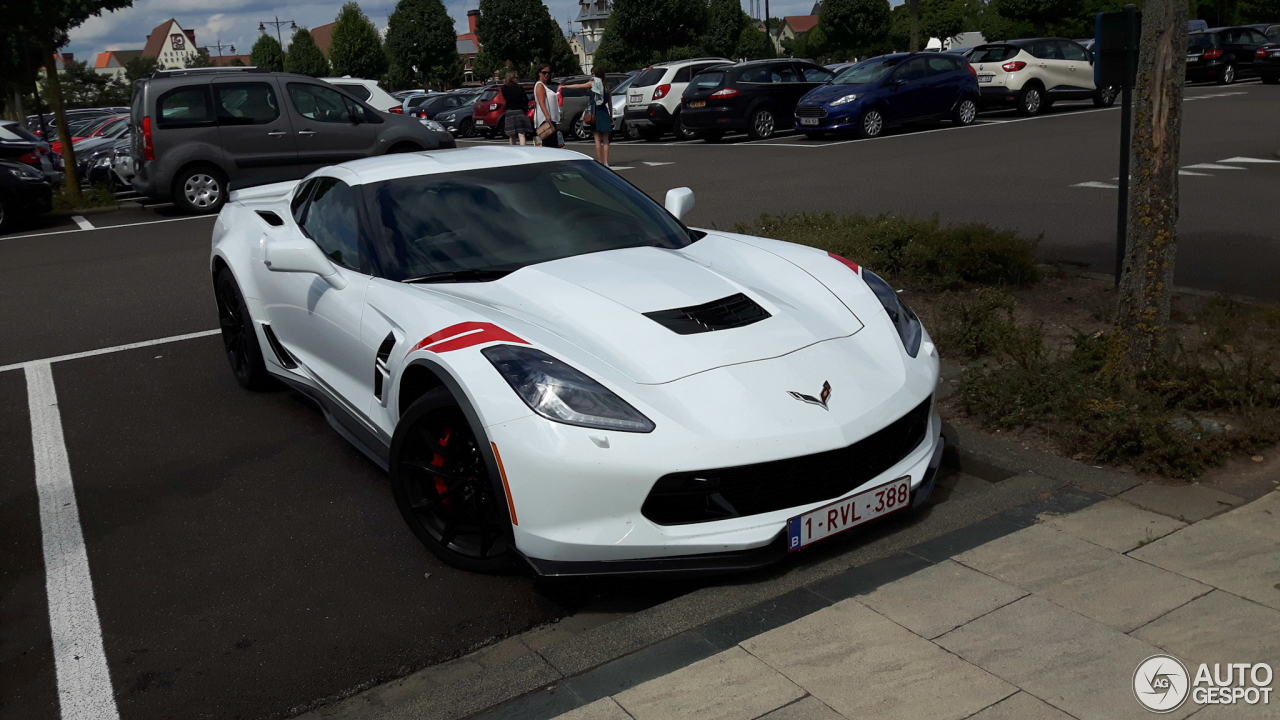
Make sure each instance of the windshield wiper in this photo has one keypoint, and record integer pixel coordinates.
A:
(469, 275)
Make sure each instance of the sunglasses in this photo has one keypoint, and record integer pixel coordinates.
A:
(544, 72)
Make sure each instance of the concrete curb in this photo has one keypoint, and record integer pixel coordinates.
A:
(605, 659)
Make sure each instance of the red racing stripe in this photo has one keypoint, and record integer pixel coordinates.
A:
(847, 263)
(464, 335)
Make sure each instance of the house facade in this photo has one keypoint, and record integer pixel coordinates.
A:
(171, 45)
(112, 62)
(592, 17)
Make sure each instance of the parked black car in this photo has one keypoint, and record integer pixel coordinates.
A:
(1223, 55)
(436, 103)
(23, 195)
(758, 96)
(200, 133)
(19, 145)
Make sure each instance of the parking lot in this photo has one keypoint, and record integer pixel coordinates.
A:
(245, 561)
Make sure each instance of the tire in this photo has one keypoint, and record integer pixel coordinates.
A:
(681, 132)
(200, 189)
(580, 129)
(631, 131)
(1228, 75)
(239, 336)
(762, 124)
(1271, 79)
(966, 112)
(711, 136)
(871, 124)
(466, 128)
(442, 486)
(1106, 97)
(1031, 101)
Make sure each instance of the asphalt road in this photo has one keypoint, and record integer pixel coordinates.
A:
(246, 562)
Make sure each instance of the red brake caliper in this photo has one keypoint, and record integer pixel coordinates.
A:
(437, 460)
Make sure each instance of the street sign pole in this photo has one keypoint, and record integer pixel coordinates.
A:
(1117, 36)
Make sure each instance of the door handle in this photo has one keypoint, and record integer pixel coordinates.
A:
(306, 132)
(276, 133)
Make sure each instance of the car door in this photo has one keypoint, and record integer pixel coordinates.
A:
(1250, 40)
(941, 90)
(1050, 67)
(316, 322)
(905, 99)
(330, 127)
(256, 134)
(1079, 68)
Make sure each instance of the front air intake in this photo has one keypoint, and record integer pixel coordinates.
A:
(726, 313)
(380, 372)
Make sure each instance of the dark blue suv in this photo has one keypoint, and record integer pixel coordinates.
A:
(890, 90)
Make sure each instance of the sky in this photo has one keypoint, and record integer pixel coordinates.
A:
(235, 22)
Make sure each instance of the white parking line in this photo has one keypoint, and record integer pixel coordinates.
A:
(1210, 166)
(107, 350)
(109, 227)
(84, 681)
(84, 224)
(1249, 160)
(1096, 184)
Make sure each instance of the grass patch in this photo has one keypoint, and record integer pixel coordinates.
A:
(94, 196)
(921, 252)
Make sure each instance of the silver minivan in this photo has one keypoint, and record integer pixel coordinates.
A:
(200, 133)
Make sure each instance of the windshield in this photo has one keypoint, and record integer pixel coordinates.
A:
(993, 53)
(1200, 41)
(505, 218)
(867, 72)
(622, 86)
(648, 77)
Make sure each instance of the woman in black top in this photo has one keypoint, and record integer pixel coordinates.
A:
(516, 119)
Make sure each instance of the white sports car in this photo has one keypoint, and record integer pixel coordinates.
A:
(554, 370)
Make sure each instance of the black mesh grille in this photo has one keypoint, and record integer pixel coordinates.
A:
(812, 112)
(705, 495)
(730, 312)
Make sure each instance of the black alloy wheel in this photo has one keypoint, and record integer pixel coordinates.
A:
(762, 125)
(443, 489)
(239, 338)
(466, 128)
(1031, 101)
(1106, 97)
(1228, 75)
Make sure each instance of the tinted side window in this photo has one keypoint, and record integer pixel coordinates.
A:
(320, 103)
(1257, 38)
(1072, 51)
(300, 199)
(940, 65)
(683, 74)
(247, 103)
(755, 75)
(816, 74)
(993, 53)
(914, 69)
(785, 74)
(355, 90)
(331, 221)
(1273, 33)
(188, 106)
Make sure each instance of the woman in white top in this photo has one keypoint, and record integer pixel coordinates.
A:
(544, 108)
(602, 107)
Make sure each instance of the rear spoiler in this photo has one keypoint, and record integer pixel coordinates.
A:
(264, 193)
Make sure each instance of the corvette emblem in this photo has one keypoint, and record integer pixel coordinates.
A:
(820, 401)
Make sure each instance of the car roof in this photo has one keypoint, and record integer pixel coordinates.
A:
(674, 63)
(437, 162)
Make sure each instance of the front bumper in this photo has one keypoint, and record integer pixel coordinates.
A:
(654, 116)
(828, 119)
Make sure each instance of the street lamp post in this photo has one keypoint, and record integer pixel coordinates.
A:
(219, 46)
(262, 27)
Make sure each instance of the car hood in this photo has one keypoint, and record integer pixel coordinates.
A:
(826, 93)
(594, 305)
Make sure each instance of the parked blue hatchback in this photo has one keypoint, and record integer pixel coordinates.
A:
(891, 90)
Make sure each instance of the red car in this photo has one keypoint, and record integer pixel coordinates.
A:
(93, 130)
(490, 107)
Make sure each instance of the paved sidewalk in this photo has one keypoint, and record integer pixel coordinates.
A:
(1048, 622)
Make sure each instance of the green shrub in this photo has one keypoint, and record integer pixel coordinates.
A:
(974, 323)
(915, 250)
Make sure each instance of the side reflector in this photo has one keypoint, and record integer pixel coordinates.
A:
(505, 487)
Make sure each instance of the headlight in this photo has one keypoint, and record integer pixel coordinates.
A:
(560, 393)
(903, 318)
(25, 173)
(431, 125)
(843, 100)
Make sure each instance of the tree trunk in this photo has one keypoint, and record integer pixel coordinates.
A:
(64, 131)
(915, 25)
(1142, 320)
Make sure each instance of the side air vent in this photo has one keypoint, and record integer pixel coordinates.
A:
(282, 355)
(380, 373)
(723, 314)
(272, 219)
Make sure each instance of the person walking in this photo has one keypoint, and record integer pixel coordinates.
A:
(599, 115)
(546, 110)
(516, 119)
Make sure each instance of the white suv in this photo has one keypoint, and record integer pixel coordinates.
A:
(1033, 74)
(653, 100)
(367, 91)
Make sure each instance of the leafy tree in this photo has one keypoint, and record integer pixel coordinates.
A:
(854, 27)
(140, 67)
(486, 64)
(1258, 11)
(812, 44)
(1044, 17)
(753, 44)
(202, 59)
(563, 60)
(82, 87)
(640, 31)
(355, 48)
(421, 41)
(235, 62)
(943, 18)
(266, 53)
(516, 30)
(305, 57)
(725, 23)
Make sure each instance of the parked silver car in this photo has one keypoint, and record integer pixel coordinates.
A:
(200, 133)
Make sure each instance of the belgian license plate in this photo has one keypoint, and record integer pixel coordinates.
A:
(633, 99)
(480, 122)
(1275, 53)
(808, 121)
(1193, 58)
(850, 512)
(698, 103)
(986, 77)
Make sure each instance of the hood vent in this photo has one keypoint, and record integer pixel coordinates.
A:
(723, 314)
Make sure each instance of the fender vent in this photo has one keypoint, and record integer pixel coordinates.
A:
(282, 355)
(272, 219)
(723, 314)
(380, 373)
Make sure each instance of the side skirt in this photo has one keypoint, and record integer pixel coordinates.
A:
(343, 422)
